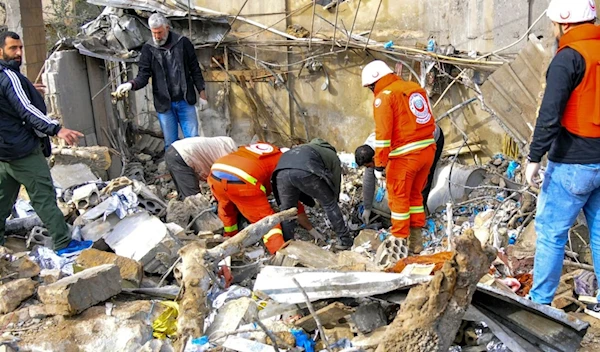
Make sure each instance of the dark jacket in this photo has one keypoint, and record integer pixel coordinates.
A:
(319, 158)
(158, 62)
(23, 120)
(565, 73)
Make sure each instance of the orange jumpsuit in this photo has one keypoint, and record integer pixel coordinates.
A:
(405, 146)
(240, 181)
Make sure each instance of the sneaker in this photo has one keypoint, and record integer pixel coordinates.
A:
(75, 246)
(343, 243)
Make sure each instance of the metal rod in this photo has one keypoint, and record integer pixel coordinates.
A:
(311, 308)
(231, 24)
(449, 224)
(373, 26)
(353, 23)
(337, 10)
(312, 25)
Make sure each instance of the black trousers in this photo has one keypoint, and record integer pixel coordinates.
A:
(185, 178)
(439, 144)
(292, 182)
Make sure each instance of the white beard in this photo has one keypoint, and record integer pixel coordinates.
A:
(159, 42)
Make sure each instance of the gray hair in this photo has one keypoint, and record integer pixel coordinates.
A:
(157, 20)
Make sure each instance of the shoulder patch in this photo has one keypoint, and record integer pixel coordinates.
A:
(260, 148)
(377, 102)
(419, 106)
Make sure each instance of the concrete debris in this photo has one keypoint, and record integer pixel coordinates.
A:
(74, 294)
(369, 317)
(67, 176)
(323, 284)
(231, 316)
(86, 196)
(39, 236)
(131, 270)
(327, 316)
(50, 276)
(390, 251)
(144, 238)
(15, 292)
(300, 253)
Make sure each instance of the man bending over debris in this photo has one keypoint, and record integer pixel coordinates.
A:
(171, 61)
(189, 161)
(240, 182)
(365, 156)
(404, 147)
(24, 142)
(568, 128)
(307, 172)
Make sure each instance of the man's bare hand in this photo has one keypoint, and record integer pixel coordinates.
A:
(203, 95)
(69, 136)
(40, 87)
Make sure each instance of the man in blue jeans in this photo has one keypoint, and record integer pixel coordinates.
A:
(568, 129)
(171, 61)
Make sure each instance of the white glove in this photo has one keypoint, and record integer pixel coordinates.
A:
(379, 175)
(366, 216)
(203, 104)
(124, 88)
(316, 234)
(532, 174)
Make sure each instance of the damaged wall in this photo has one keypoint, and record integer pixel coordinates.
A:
(342, 113)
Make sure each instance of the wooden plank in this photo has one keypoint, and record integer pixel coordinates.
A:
(520, 84)
(328, 315)
(504, 94)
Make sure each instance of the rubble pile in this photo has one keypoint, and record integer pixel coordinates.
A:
(162, 275)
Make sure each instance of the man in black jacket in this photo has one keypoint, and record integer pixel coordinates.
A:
(170, 59)
(24, 131)
(308, 172)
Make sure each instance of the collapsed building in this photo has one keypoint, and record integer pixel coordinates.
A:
(161, 274)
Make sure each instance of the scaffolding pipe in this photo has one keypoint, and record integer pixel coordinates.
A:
(373, 26)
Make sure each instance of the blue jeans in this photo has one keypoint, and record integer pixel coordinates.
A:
(567, 189)
(183, 114)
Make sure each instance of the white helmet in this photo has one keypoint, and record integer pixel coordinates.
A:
(374, 71)
(571, 11)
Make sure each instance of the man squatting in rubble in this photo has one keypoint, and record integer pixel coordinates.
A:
(404, 147)
(24, 144)
(189, 161)
(171, 61)
(240, 181)
(365, 156)
(568, 129)
(307, 172)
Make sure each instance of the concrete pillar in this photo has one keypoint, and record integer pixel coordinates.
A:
(26, 19)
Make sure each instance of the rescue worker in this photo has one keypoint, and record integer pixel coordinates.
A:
(307, 172)
(189, 161)
(568, 129)
(365, 156)
(404, 147)
(240, 181)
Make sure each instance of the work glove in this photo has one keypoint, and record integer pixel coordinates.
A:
(123, 88)
(316, 234)
(380, 176)
(532, 174)
(366, 216)
(203, 103)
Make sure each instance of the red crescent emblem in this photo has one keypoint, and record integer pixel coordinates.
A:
(565, 17)
(375, 74)
(592, 5)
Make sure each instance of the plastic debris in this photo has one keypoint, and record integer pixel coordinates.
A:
(166, 323)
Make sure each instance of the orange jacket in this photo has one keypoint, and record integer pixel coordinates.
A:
(582, 113)
(404, 122)
(253, 163)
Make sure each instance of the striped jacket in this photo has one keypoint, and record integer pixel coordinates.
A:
(23, 120)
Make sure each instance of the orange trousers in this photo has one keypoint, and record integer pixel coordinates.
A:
(249, 200)
(406, 178)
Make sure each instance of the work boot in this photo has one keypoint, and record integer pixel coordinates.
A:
(343, 243)
(415, 240)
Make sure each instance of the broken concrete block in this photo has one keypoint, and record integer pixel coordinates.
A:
(367, 236)
(86, 196)
(243, 345)
(144, 238)
(233, 314)
(309, 255)
(371, 340)
(50, 276)
(39, 236)
(156, 345)
(391, 251)
(15, 292)
(369, 317)
(353, 261)
(67, 176)
(96, 230)
(131, 271)
(337, 333)
(24, 266)
(76, 293)
(329, 315)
